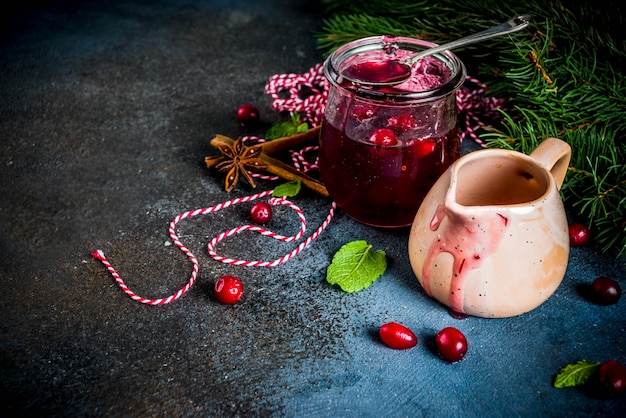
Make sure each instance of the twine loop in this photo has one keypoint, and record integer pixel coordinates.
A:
(99, 254)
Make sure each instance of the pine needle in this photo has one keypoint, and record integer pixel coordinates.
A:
(564, 75)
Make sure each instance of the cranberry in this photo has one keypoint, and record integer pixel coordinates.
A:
(383, 137)
(606, 290)
(578, 234)
(609, 379)
(402, 123)
(362, 112)
(248, 113)
(261, 212)
(423, 147)
(397, 336)
(228, 290)
(451, 344)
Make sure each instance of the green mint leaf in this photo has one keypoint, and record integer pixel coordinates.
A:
(290, 127)
(355, 266)
(303, 127)
(289, 189)
(575, 374)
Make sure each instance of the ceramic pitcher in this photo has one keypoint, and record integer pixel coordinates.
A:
(491, 237)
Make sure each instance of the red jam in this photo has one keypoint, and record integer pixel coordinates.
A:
(383, 147)
(385, 71)
(391, 182)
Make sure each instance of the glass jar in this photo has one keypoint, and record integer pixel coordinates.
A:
(382, 148)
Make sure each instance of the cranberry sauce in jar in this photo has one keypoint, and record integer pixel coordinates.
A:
(383, 147)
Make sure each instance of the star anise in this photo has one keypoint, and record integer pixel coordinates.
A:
(237, 160)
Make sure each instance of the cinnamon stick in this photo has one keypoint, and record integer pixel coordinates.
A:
(287, 142)
(275, 166)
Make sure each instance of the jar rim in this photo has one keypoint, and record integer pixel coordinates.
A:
(332, 69)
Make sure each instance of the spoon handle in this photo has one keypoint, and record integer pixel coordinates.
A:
(512, 25)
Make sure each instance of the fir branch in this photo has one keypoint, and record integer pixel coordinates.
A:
(564, 76)
(343, 29)
(424, 19)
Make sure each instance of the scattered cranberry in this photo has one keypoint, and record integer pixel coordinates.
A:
(451, 344)
(609, 380)
(606, 290)
(383, 137)
(228, 290)
(261, 213)
(578, 234)
(248, 113)
(397, 336)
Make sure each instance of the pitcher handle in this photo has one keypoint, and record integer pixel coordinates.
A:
(554, 154)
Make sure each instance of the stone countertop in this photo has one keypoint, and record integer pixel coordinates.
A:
(106, 115)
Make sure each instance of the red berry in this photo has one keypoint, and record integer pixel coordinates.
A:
(610, 379)
(248, 113)
(606, 290)
(397, 336)
(451, 344)
(261, 212)
(228, 290)
(423, 147)
(578, 234)
(362, 112)
(383, 137)
(402, 123)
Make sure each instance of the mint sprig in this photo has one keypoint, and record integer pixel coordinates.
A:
(356, 266)
(575, 374)
(287, 128)
(289, 189)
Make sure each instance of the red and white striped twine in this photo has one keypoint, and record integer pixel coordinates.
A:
(473, 107)
(298, 157)
(99, 254)
(301, 163)
(278, 261)
(306, 93)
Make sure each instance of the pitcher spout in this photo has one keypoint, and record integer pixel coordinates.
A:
(469, 235)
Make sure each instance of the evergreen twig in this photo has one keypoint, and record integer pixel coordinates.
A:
(563, 75)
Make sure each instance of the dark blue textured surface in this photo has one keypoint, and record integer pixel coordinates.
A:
(106, 113)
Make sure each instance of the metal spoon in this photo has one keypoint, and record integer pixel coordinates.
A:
(391, 72)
